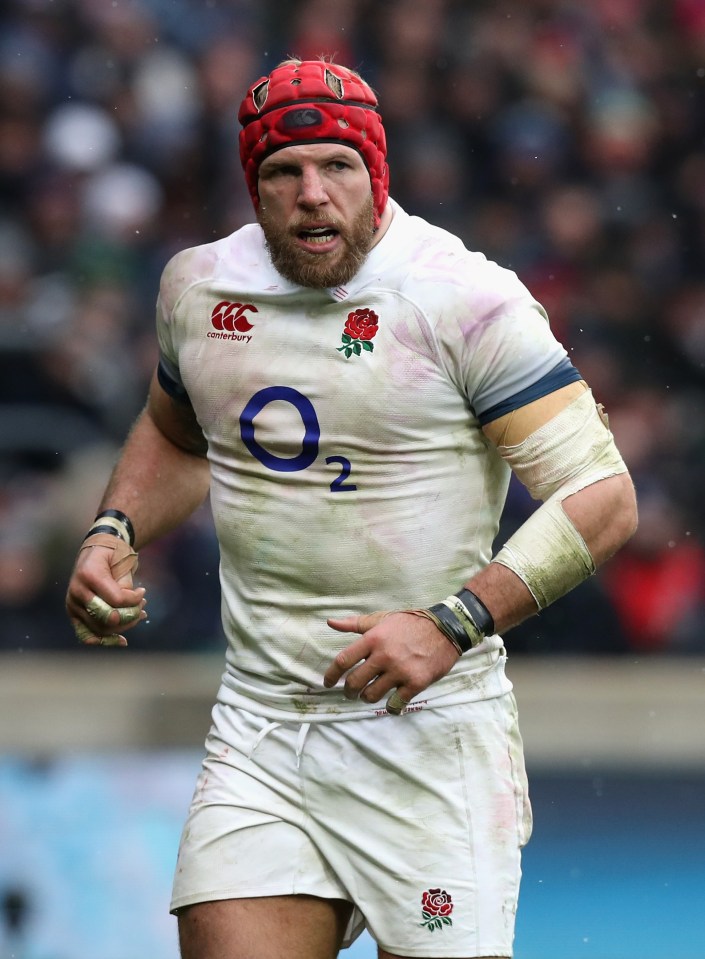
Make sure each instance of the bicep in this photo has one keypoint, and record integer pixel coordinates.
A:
(560, 448)
(513, 428)
(175, 419)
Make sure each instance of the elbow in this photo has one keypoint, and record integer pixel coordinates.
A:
(627, 512)
(622, 517)
(605, 514)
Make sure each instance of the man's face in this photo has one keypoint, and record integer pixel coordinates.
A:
(317, 212)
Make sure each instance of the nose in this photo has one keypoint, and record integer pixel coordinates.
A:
(312, 191)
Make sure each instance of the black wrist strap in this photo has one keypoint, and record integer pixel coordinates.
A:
(479, 613)
(101, 529)
(451, 626)
(464, 619)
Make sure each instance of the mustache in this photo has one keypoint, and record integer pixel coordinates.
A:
(316, 220)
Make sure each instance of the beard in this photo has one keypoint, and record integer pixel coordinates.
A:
(320, 269)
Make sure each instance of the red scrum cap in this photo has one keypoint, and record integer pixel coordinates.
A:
(311, 101)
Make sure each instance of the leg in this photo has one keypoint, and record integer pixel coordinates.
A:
(429, 831)
(298, 927)
(250, 883)
(388, 955)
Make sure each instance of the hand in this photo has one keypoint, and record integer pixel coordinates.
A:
(100, 594)
(401, 650)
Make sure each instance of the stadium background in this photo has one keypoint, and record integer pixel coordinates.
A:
(566, 141)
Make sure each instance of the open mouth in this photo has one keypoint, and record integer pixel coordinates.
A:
(318, 236)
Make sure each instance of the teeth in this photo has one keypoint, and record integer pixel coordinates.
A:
(318, 234)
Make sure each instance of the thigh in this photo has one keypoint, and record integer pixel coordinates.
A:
(298, 927)
(382, 954)
(425, 817)
(246, 833)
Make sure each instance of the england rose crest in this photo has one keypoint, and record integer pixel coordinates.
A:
(360, 328)
(436, 907)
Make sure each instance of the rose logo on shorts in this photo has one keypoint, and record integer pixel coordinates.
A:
(436, 907)
(360, 327)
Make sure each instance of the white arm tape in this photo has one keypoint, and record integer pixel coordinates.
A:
(572, 450)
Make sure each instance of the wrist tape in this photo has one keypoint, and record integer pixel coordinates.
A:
(123, 559)
(463, 619)
(114, 523)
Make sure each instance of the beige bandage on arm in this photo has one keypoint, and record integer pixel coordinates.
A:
(572, 450)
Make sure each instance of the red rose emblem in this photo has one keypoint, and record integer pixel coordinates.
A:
(436, 907)
(360, 327)
(362, 324)
(437, 902)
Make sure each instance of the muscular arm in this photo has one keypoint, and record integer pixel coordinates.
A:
(408, 652)
(162, 476)
(604, 513)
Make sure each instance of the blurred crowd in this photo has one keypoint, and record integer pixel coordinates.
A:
(565, 140)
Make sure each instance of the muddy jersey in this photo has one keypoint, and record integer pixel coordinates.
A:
(349, 468)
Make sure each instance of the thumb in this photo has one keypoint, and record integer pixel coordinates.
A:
(357, 624)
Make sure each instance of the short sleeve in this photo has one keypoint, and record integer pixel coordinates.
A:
(168, 369)
(497, 343)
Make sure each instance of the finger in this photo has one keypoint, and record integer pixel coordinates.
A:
(115, 595)
(88, 638)
(346, 624)
(79, 595)
(359, 680)
(103, 613)
(357, 624)
(345, 660)
(396, 704)
(381, 686)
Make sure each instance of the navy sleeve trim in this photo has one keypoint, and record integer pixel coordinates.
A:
(559, 376)
(175, 389)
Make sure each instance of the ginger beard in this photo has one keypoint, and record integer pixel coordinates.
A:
(334, 268)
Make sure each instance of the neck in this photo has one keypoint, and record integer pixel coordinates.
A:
(384, 222)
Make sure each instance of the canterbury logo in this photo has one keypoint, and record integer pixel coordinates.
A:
(231, 317)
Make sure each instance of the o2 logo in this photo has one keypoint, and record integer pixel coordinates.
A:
(309, 446)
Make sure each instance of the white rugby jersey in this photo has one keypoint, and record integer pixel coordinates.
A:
(349, 469)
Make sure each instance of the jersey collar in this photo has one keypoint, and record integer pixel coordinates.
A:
(371, 270)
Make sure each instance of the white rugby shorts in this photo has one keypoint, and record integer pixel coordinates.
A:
(418, 820)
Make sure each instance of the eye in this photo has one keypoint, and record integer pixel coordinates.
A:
(339, 165)
(272, 172)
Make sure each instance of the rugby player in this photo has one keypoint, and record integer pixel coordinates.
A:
(354, 388)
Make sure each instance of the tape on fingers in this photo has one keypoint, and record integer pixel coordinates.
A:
(85, 636)
(128, 614)
(396, 704)
(100, 610)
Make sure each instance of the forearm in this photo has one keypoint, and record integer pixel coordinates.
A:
(156, 483)
(162, 476)
(604, 514)
(504, 594)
